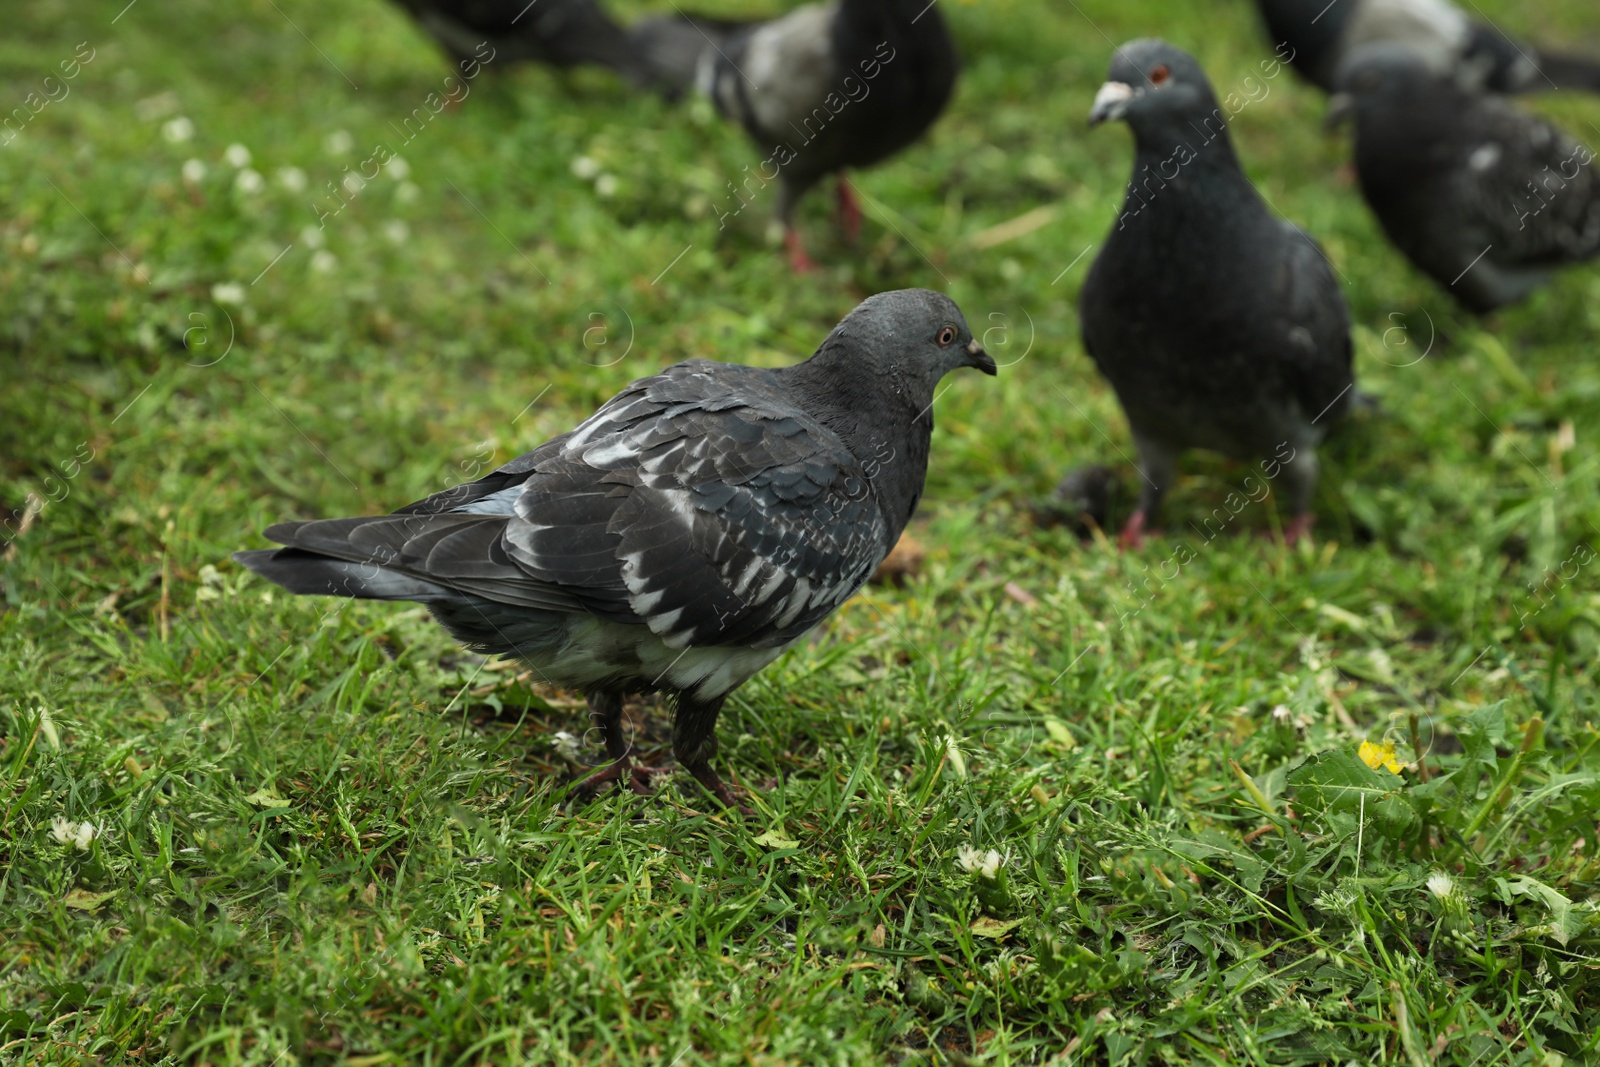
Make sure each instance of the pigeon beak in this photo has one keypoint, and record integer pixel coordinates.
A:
(980, 359)
(1111, 102)
(1340, 107)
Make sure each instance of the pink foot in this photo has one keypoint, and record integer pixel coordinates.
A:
(849, 211)
(1299, 527)
(1133, 533)
(798, 260)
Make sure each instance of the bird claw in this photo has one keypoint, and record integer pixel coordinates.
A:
(1132, 537)
(729, 795)
(619, 772)
(639, 779)
(1299, 527)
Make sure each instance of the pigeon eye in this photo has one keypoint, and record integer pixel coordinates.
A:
(1159, 74)
(947, 336)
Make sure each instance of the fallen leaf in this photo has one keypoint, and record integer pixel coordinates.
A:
(903, 562)
(773, 839)
(84, 900)
(266, 798)
(994, 929)
(1020, 595)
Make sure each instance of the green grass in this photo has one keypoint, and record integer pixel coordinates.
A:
(329, 836)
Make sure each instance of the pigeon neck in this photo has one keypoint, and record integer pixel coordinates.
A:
(885, 421)
(1194, 141)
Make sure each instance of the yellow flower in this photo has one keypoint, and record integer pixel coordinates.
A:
(1376, 756)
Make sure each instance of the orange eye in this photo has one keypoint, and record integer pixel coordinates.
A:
(947, 336)
(1159, 74)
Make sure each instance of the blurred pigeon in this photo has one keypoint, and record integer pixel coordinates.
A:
(682, 537)
(1219, 324)
(560, 33)
(830, 86)
(1316, 36)
(673, 44)
(1487, 199)
(1082, 500)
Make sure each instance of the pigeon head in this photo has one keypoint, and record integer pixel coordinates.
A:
(1382, 71)
(906, 340)
(1155, 88)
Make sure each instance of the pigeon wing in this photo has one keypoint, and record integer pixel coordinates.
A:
(705, 504)
(771, 77)
(1316, 324)
(1532, 188)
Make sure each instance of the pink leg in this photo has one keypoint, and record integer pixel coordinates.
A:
(849, 211)
(1132, 536)
(797, 252)
(1299, 527)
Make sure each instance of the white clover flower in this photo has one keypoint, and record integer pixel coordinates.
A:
(323, 261)
(973, 861)
(193, 171)
(1441, 885)
(397, 231)
(237, 155)
(292, 179)
(338, 142)
(212, 584)
(354, 183)
(176, 131)
(407, 192)
(249, 182)
(79, 834)
(228, 293)
(1282, 714)
(312, 237)
(606, 185)
(585, 168)
(566, 746)
(398, 169)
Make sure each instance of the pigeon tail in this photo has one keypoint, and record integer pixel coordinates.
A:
(1567, 70)
(313, 574)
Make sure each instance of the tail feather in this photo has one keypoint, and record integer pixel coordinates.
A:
(311, 574)
(1567, 70)
(430, 558)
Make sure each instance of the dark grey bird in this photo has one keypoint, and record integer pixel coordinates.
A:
(1219, 324)
(828, 87)
(678, 540)
(558, 33)
(1316, 36)
(1082, 500)
(1485, 198)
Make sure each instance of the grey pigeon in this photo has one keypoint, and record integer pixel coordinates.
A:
(1316, 36)
(831, 86)
(558, 33)
(1487, 199)
(673, 44)
(682, 537)
(1082, 500)
(1219, 324)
